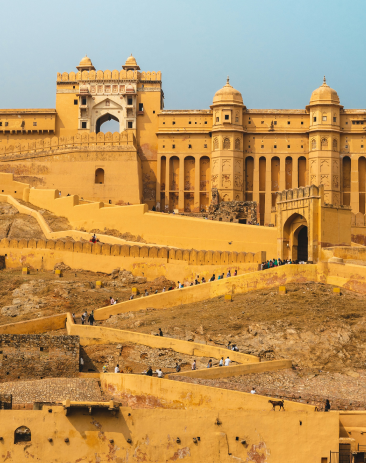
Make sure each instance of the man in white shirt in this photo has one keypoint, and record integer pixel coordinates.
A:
(81, 364)
(227, 361)
(253, 391)
(160, 373)
(116, 370)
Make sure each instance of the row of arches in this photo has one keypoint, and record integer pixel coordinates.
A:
(324, 144)
(185, 183)
(226, 143)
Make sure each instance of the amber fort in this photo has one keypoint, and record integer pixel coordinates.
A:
(175, 198)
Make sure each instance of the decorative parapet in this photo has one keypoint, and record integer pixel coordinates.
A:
(108, 75)
(126, 140)
(299, 193)
(191, 256)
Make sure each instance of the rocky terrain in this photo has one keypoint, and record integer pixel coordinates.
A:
(16, 225)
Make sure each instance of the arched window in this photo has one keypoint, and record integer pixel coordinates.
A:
(226, 144)
(22, 434)
(216, 143)
(324, 143)
(313, 144)
(237, 144)
(99, 176)
(335, 144)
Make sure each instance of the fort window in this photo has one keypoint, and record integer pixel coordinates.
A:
(163, 146)
(288, 122)
(195, 122)
(129, 101)
(313, 144)
(6, 124)
(205, 122)
(302, 146)
(1, 124)
(173, 146)
(288, 173)
(99, 176)
(189, 122)
(189, 146)
(173, 122)
(205, 146)
(217, 119)
(302, 122)
(275, 146)
(22, 434)
(83, 102)
(237, 144)
(141, 107)
(34, 124)
(216, 143)
(163, 122)
(334, 119)
(262, 146)
(107, 103)
(288, 146)
(314, 119)
(361, 146)
(248, 146)
(346, 146)
(324, 118)
(153, 112)
(274, 122)
(75, 102)
(346, 122)
(226, 144)
(262, 122)
(249, 122)
(301, 169)
(324, 143)
(83, 125)
(275, 175)
(130, 125)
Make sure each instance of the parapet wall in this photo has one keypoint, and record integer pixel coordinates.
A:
(100, 141)
(192, 256)
(108, 75)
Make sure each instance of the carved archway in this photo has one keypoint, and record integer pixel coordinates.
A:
(291, 230)
(104, 118)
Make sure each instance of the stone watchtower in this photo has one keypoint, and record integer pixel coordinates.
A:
(324, 142)
(227, 174)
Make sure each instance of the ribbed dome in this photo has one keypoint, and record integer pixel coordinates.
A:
(130, 61)
(324, 95)
(227, 94)
(86, 61)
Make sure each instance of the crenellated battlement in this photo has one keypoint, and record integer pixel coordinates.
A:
(109, 140)
(108, 76)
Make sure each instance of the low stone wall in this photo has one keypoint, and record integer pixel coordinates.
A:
(37, 325)
(38, 356)
(235, 370)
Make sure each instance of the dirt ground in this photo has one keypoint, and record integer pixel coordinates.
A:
(16, 225)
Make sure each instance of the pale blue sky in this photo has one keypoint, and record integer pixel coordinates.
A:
(276, 52)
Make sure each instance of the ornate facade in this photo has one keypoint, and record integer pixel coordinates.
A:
(178, 156)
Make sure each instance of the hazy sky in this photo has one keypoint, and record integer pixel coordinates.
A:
(275, 51)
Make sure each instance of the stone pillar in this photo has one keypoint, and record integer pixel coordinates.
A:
(197, 178)
(268, 193)
(158, 183)
(295, 172)
(167, 183)
(282, 184)
(355, 195)
(181, 185)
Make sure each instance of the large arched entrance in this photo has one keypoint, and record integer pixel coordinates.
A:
(295, 238)
(106, 118)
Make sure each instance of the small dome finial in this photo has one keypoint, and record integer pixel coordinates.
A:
(324, 80)
(227, 80)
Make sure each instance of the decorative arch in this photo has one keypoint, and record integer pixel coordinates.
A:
(324, 143)
(104, 118)
(237, 144)
(335, 144)
(313, 144)
(216, 143)
(226, 144)
(294, 241)
(22, 434)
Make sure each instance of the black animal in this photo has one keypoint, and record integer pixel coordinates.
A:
(277, 403)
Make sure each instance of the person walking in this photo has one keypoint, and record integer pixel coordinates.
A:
(160, 332)
(111, 300)
(253, 391)
(177, 367)
(149, 372)
(209, 365)
(91, 318)
(159, 372)
(327, 406)
(116, 370)
(221, 364)
(227, 361)
(228, 275)
(194, 365)
(81, 364)
(73, 317)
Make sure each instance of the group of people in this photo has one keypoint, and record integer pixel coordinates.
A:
(275, 263)
(222, 362)
(86, 318)
(94, 239)
(113, 301)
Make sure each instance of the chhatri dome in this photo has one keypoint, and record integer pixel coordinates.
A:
(85, 64)
(227, 94)
(324, 95)
(131, 63)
